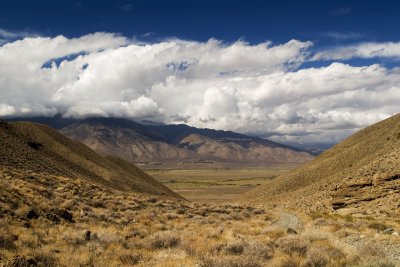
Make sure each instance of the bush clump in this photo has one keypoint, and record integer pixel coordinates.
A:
(163, 240)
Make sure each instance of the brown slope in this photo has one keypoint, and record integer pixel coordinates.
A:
(31, 147)
(136, 172)
(126, 143)
(247, 152)
(148, 146)
(359, 175)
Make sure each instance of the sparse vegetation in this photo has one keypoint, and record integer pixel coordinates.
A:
(51, 218)
(135, 230)
(217, 185)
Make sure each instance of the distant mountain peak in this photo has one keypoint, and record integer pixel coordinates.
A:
(156, 144)
(170, 145)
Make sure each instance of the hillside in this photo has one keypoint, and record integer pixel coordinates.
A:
(359, 175)
(177, 145)
(61, 204)
(34, 148)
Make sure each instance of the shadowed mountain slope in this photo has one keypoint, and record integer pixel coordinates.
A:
(359, 175)
(174, 145)
(28, 147)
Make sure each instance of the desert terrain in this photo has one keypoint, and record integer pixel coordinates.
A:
(62, 204)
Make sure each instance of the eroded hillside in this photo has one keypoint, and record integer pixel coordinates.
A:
(359, 175)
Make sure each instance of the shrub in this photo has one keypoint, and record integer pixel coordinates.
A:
(131, 259)
(235, 248)
(181, 211)
(229, 262)
(7, 242)
(163, 240)
(289, 262)
(21, 261)
(37, 260)
(373, 251)
(44, 259)
(259, 250)
(291, 245)
(377, 226)
(316, 258)
(275, 233)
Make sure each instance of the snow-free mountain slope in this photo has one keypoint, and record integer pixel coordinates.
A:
(359, 175)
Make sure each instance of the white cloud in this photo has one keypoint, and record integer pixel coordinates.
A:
(237, 86)
(342, 36)
(8, 36)
(362, 50)
(13, 35)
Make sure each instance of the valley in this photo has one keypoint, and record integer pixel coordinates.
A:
(50, 220)
(63, 204)
(216, 185)
(199, 133)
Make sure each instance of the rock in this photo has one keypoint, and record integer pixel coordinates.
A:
(86, 235)
(338, 204)
(32, 214)
(388, 231)
(346, 211)
(291, 231)
(396, 234)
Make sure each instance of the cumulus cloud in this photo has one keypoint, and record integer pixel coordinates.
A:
(259, 88)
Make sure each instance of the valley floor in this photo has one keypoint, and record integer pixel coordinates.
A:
(216, 185)
(56, 221)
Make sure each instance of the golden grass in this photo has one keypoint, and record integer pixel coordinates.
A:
(360, 175)
(114, 228)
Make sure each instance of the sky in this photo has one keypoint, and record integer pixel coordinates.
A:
(292, 71)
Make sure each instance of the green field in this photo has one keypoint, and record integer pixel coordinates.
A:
(215, 185)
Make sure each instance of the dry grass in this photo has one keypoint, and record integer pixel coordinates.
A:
(216, 185)
(360, 175)
(113, 228)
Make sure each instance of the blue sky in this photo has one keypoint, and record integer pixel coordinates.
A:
(293, 71)
(324, 22)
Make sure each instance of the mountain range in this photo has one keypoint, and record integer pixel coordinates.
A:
(359, 175)
(160, 145)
